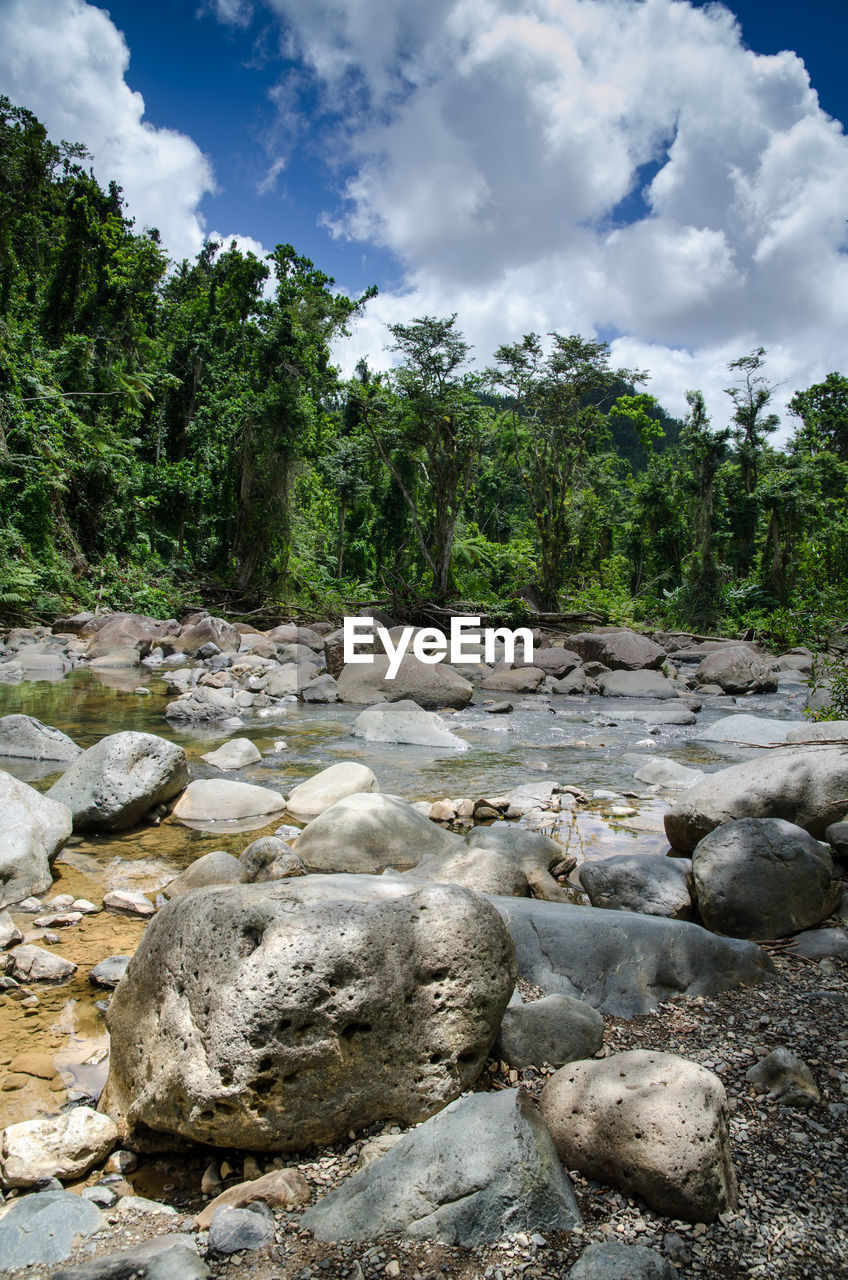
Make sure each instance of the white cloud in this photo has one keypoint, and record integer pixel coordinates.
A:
(492, 141)
(66, 62)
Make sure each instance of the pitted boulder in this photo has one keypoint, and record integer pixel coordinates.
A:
(244, 1004)
(113, 784)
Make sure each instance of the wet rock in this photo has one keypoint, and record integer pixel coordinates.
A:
(10, 934)
(622, 963)
(659, 770)
(482, 1169)
(235, 754)
(554, 1030)
(754, 731)
(39, 1229)
(233, 1230)
(221, 800)
(113, 784)
(737, 669)
(661, 713)
(201, 705)
(64, 1146)
(636, 684)
(33, 831)
(115, 660)
(651, 1124)
(33, 964)
(803, 785)
(618, 649)
(25, 738)
(244, 1004)
(762, 878)
(216, 867)
(836, 836)
(165, 1257)
(108, 972)
(516, 680)
(283, 1189)
(431, 686)
(786, 1078)
(615, 1261)
(128, 902)
(312, 797)
(405, 721)
(270, 858)
(647, 883)
(368, 832)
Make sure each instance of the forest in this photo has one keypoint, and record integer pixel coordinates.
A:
(177, 433)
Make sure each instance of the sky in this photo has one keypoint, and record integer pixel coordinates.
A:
(669, 176)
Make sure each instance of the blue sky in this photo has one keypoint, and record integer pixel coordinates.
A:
(652, 171)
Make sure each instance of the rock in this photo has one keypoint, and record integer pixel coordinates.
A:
(615, 1261)
(166, 1257)
(33, 964)
(39, 1229)
(368, 832)
(108, 972)
(575, 683)
(817, 944)
(270, 858)
(661, 713)
(517, 680)
(659, 770)
(405, 721)
(113, 784)
(25, 738)
(736, 669)
(10, 934)
(554, 1030)
(310, 798)
(622, 963)
(235, 754)
(130, 631)
(751, 731)
(216, 867)
(618, 649)
(288, 633)
(836, 836)
(283, 681)
(786, 1078)
(282, 1189)
(33, 831)
(651, 1124)
(321, 688)
(43, 666)
(244, 1004)
(804, 785)
(431, 686)
(636, 684)
(233, 1230)
(819, 731)
(221, 800)
(647, 883)
(498, 708)
(556, 661)
(482, 1169)
(115, 660)
(128, 902)
(64, 1146)
(534, 854)
(202, 629)
(761, 878)
(201, 705)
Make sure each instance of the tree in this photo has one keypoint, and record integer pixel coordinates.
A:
(750, 426)
(823, 413)
(429, 410)
(704, 450)
(558, 415)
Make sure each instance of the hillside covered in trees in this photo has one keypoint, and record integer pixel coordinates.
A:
(177, 433)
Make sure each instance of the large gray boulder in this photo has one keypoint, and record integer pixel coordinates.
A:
(804, 785)
(819, 731)
(554, 1030)
(482, 1169)
(202, 629)
(635, 684)
(33, 830)
(223, 800)
(369, 832)
(323, 789)
(25, 738)
(618, 649)
(128, 631)
(431, 686)
(113, 784)
(515, 680)
(751, 731)
(647, 883)
(243, 1005)
(762, 878)
(167, 1257)
(622, 963)
(215, 867)
(652, 1124)
(405, 722)
(40, 1229)
(556, 661)
(737, 669)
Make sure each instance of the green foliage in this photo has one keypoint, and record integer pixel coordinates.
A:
(830, 672)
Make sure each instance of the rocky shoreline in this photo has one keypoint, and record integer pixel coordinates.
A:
(351, 957)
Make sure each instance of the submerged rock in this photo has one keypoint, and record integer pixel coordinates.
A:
(235, 754)
(406, 722)
(244, 1004)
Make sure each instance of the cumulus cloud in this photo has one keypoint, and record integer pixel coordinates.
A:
(66, 61)
(492, 143)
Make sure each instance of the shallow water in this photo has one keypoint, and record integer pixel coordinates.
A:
(577, 741)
